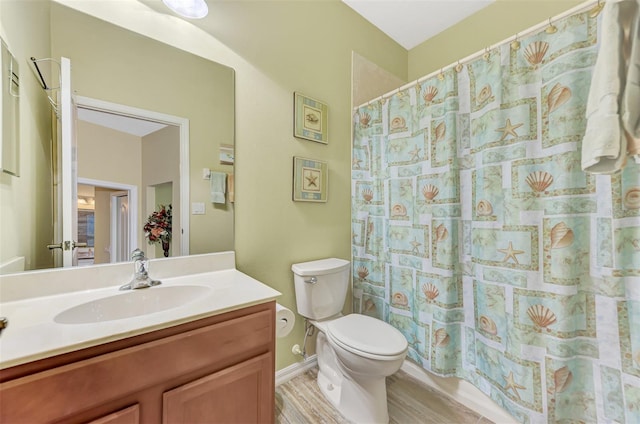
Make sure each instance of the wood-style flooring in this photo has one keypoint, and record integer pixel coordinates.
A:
(299, 401)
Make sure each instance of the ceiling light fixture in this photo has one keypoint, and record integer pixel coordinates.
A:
(193, 9)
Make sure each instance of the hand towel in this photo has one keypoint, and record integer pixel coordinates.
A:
(218, 181)
(604, 146)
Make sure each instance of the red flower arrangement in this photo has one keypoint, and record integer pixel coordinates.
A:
(158, 226)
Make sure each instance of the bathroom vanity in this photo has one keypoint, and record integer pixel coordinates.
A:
(207, 359)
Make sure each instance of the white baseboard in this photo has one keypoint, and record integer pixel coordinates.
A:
(460, 391)
(293, 370)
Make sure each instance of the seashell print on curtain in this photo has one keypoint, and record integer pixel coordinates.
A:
(476, 233)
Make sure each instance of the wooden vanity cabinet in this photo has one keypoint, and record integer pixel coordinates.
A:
(219, 369)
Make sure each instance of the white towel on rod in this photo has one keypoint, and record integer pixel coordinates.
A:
(604, 147)
(631, 98)
(218, 181)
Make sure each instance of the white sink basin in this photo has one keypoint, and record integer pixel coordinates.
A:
(131, 304)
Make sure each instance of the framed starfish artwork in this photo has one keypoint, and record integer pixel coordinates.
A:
(310, 180)
(310, 119)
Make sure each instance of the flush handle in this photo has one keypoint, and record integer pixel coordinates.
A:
(311, 280)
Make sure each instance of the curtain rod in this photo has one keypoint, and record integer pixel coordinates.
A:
(596, 5)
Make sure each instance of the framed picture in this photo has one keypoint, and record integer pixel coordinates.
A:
(310, 119)
(310, 180)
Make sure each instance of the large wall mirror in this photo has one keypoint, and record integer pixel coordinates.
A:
(130, 160)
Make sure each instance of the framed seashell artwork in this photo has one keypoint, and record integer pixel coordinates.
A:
(310, 119)
(310, 180)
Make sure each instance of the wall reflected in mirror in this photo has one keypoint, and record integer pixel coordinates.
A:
(86, 221)
(10, 108)
(114, 65)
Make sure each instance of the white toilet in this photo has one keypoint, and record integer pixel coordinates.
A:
(355, 352)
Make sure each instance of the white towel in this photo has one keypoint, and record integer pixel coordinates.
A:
(631, 96)
(218, 182)
(604, 147)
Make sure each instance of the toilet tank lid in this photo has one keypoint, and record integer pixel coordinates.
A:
(320, 267)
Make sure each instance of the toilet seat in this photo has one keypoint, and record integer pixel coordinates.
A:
(366, 336)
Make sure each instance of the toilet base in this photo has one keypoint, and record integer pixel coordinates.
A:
(330, 391)
(363, 401)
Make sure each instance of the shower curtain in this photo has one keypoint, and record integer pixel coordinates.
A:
(476, 233)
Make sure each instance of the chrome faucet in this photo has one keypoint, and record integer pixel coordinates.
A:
(141, 279)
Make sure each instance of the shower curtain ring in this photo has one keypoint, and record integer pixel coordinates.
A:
(551, 29)
(486, 54)
(459, 67)
(596, 9)
(441, 75)
(515, 44)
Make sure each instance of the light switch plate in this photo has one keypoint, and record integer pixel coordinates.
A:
(197, 208)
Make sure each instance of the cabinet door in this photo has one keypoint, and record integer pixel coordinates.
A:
(242, 393)
(130, 415)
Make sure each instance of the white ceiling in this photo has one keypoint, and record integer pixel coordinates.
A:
(411, 22)
(125, 124)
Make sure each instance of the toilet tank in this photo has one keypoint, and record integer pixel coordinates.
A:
(321, 287)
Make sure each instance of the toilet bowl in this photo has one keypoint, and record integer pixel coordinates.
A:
(353, 365)
(355, 352)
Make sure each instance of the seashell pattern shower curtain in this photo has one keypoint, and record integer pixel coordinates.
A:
(476, 233)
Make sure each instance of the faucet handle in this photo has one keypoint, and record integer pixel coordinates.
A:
(137, 255)
(141, 278)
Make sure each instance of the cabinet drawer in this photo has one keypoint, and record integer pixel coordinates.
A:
(70, 389)
(130, 415)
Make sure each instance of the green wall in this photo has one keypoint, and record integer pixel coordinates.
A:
(26, 201)
(496, 22)
(292, 47)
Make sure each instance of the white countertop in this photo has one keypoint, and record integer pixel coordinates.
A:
(33, 332)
